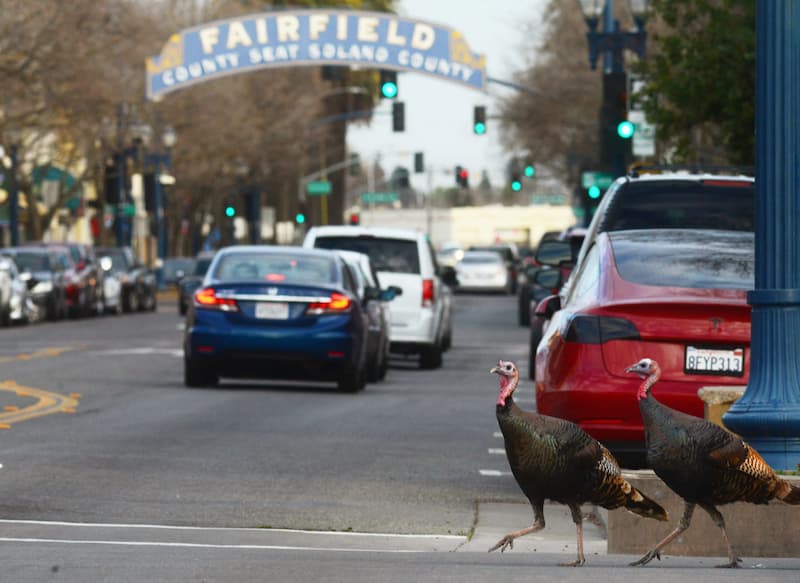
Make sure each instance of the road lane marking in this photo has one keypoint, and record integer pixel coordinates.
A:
(497, 450)
(47, 404)
(146, 351)
(497, 434)
(494, 473)
(43, 353)
(204, 545)
(344, 533)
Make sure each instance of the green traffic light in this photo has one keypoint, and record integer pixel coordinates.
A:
(594, 192)
(480, 128)
(389, 90)
(625, 129)
(230, 211)
(300, 218)
(530, 171)
(516, 186)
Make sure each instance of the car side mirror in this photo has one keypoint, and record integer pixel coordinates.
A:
(449, 277)
(554, 253)
(548, 306)
(548, 278)
(390, 293)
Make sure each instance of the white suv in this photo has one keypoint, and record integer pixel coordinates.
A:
(421, 320)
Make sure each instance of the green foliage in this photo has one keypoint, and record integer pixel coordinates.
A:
(700, 77)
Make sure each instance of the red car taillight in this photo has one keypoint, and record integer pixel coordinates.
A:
(590, 329)
(427, 293)
(207, 298)
(337, 304)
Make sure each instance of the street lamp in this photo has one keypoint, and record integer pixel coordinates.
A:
(611, 40)
(161, 159)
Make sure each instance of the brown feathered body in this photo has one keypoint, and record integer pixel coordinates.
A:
(554, 459)
(706, 464)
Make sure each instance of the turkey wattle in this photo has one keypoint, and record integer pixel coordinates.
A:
(554, 459)
(703, 463)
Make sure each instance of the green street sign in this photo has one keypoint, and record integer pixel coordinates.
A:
(601, 180)
(375, 197)
(318, 187)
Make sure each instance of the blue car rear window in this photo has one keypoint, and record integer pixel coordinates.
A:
(275, 268)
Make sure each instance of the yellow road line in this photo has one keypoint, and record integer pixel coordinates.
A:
(43, 353)
(47, 404)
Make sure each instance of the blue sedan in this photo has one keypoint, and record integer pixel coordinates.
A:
(269, 312)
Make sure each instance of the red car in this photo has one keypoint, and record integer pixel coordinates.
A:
(677, 296)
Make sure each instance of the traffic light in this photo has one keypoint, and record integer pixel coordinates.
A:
(355, 164)
(230, 211)
(515, 175)
(462, 177)
(530, 169)
(300, 217)
(419, 162)
(355, 219)
(625, 129)
(594, 192)
(479, 120)
(388, 84)
(398, 116)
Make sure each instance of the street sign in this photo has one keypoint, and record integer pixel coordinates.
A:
(318, 187)
(601, 180)
(644, 138)
(376, 197)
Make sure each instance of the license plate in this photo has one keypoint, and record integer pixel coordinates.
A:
(272, 310)
(714, 361)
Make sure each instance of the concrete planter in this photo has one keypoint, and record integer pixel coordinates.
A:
(754, 530)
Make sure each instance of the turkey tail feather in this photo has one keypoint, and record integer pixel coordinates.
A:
(792, 496)
(640, 504)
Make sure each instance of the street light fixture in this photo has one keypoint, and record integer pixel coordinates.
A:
(611, 40)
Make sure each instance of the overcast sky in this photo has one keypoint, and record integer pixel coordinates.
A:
(438, 113)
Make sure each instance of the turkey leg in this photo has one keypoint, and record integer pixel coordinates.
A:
(507, 542)
(577, 518)
(716, 516)
(686, 519)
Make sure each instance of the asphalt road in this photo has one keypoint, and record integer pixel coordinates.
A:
(114, 471)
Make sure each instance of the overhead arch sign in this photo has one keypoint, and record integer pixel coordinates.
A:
(312, 38)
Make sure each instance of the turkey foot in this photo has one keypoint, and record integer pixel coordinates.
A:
(734, 564)
(507, 542)
(647, 558)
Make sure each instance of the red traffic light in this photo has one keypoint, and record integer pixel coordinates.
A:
(463, 175)
(354, 219)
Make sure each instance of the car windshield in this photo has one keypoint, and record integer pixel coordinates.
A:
(684, 258)
(275, 268)
(394, 255)
(201, 266)
(482, 258)
(682, 204)
(32, 261)
(118, 261)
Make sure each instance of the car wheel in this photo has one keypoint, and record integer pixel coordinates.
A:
(133, 301)
(431, 357)
(352, 381)
(153, 302)
(182, 308)
(384, 367)
(198, 375)
(373, 370)
(5, 316)
(536, 336)
(447, 340)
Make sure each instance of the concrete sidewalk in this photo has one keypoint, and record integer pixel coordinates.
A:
(495, 520)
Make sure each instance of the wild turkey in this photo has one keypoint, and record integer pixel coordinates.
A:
(703, 463)
(554, 459)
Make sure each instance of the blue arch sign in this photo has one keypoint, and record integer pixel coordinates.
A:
(312, 38)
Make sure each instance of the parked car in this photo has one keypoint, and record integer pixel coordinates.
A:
(84, 278)
(276, 313)
(376, 305)
(44, 270)
(675, 295)
(17, 304)
(189, 283)
(174, 269)
(112, 286)
(483, 271)
(139, 285)
(510, 254)
(404, 258)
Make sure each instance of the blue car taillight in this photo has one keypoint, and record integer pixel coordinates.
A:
(337, 304)
(208, 298)
(591, 329)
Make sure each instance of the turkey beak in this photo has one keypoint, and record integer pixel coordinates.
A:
(494, 370)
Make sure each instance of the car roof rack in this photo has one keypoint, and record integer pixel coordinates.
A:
(638, 170)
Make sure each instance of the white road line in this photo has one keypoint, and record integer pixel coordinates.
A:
(494, 473)
(176, 352)
(497, 434)
(497, 450)
(200, 545)
(226, 528)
